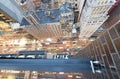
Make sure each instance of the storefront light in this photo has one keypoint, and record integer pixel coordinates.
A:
(70, 76)
(61, 72)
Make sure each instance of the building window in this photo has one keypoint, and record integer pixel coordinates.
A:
(102, 39)
(113, 33)
(90, 1)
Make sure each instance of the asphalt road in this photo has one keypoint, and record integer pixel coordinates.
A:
(51, 65)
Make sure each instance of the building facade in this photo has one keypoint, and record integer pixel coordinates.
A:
(94, 14)
(106, 48)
